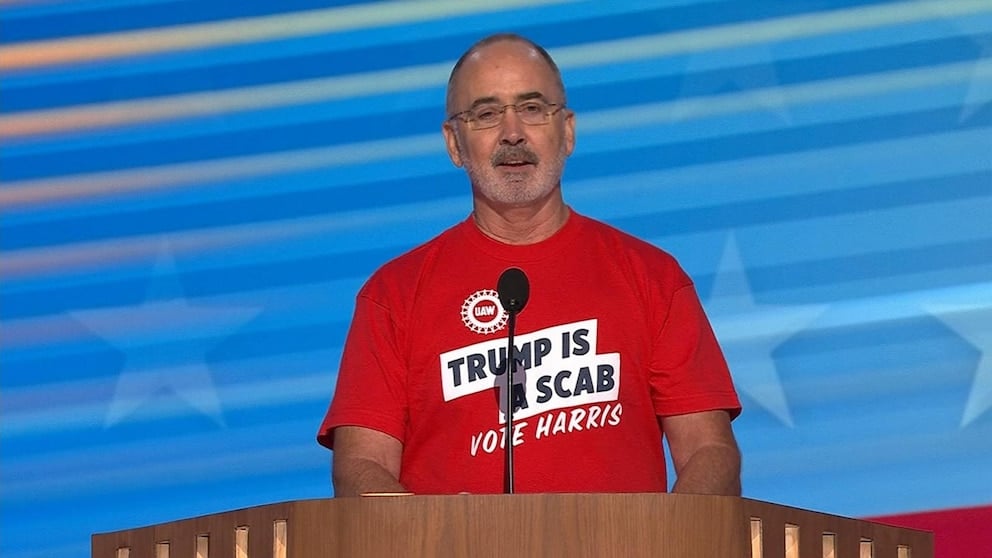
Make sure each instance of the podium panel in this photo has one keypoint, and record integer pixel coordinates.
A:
(541, 525)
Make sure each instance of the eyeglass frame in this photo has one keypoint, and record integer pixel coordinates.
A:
(553, 109)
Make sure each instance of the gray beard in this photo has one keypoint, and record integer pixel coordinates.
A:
(515, 190)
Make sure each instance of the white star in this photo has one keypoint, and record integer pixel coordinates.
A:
(980, 89)
(748, 333)
(145, 332)
(972, 320)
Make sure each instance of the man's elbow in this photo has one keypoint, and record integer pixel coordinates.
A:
(712, 469)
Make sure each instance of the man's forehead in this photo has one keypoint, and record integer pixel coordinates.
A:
(514, 62)
(504, 69)
(507, 48)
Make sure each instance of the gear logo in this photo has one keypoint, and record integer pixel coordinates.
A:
(483, 313)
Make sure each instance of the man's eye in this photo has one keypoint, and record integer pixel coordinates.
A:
(486, 115)
(532, 108)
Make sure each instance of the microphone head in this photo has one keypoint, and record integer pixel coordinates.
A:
(513, 289)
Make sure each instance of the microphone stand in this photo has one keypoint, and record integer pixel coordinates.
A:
(511, 368)
(513, 289)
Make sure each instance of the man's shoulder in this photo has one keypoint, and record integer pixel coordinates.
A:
(638, 260)
(624, 241)
(407, 267)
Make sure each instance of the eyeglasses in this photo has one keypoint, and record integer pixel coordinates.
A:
(533, 112)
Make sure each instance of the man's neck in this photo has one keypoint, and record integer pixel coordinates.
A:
(521, 225)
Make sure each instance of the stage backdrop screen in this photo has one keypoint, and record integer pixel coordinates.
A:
(193, 192)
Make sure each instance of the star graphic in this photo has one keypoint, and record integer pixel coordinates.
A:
(980, 90)
(956, 14)
(972, 320)
(706, 75)
(750, 332)
(145, 332)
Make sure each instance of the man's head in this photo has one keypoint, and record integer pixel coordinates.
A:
(519, 159)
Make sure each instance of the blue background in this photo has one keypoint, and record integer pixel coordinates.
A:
(193, 192)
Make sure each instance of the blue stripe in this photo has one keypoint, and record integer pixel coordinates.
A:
(327, 62)
(273, 207)
(788, 140)
(804, 207)
(784, 72)
(128, 292)
(72, 19)
(109, 361)
(952, 260)
(411, 190)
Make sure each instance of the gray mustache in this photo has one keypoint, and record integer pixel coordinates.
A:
(516, 153)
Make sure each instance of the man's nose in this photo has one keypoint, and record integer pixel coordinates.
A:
(511, 127)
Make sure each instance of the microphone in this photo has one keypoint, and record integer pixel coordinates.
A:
(513, 289)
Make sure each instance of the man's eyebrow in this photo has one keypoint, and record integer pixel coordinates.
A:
(496, 101)
(483, 101)
(531, 95)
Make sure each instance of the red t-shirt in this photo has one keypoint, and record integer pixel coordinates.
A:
(612, 338)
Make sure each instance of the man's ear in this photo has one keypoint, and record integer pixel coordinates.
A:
(451, 143)
(569, 132)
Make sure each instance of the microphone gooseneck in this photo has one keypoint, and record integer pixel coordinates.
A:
(513, 289)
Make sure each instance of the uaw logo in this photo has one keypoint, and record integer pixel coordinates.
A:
(482, 312)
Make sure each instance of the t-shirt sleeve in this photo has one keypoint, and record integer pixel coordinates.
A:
(371, 384)
(688, 371)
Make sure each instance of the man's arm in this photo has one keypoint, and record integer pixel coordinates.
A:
(365, 460)
(705, 454)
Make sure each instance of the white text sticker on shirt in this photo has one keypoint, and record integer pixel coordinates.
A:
(557, 367)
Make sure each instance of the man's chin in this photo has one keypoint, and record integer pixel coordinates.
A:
(515, 194)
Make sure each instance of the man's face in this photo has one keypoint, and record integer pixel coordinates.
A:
(512, 164)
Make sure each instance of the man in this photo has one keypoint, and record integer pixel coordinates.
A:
(613, 346)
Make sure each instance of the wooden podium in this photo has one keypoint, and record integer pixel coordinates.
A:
(520, 525)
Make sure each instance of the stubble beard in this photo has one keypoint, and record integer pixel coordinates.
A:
(515, 189)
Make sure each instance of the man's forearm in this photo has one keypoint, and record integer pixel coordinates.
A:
(355, 476)
(711, 470)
